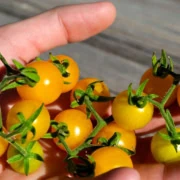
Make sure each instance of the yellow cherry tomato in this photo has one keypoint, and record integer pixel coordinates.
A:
(34, 164)
(108, 158)
(78, 125)
(100, 89)
(129, 116)
(162, 150)
(28, 107)
(72, 70)
(127, 139)
(50, 86)
(3, 144)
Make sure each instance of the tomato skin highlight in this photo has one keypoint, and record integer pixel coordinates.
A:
(72, 69)
(127, 139)
(108, 158)
(27, 107)
(100, 89)
(48, 89)
(130, 116)
(34, 164)
(78, 125)
(162, 150)
(159, 86)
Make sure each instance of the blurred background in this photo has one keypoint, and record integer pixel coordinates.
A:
(120, 54)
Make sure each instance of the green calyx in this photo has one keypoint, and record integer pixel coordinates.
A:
(20, 75)
(163, 65)
(137, 97)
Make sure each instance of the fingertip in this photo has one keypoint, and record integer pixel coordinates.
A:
(111, 9)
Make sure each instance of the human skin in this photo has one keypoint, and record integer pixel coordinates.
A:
(27, 39)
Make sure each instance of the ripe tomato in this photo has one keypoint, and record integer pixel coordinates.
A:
(108, 158)
(3, 144)
(162, 150)
(127, 139)
(28, 107)
(159, 86)
(100, 89)
(130, 116)
(34, 164)
(73, 71)
(7, 100)
(178, 94)
(48, 89)
(78, 125)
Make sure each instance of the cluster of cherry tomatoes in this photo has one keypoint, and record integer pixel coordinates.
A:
(56, 88)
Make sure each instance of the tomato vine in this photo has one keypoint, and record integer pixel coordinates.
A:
(134, 100)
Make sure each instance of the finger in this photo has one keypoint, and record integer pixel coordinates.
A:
(159, 171)
(27, 39)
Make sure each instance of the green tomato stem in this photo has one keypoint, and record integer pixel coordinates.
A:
(100, 124)
(165, 116)
(14, 143)
(160, 106)
(68, 150)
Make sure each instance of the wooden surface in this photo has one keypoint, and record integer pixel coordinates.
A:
(120, 54)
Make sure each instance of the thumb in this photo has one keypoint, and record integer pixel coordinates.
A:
(115, 174)
(120, 173)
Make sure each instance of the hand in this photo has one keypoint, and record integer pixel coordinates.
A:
(29, 38)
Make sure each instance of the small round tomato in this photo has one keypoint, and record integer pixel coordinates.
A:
(28, 107)
(78, 125)
(7, 99)
(34, 164)
(108, 158)
(127, 139)
(178, 94)
(3, 144)
(48, 89)
(130, 116)
(159, 86)
(100, 89)
(162, 150)
(72, 70)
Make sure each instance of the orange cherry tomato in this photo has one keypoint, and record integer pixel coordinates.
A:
(48, 89)
(100, 89)
(178, 95)
(127, 139)
(159, 86)
(78, 125)
(108, 158)
(72, 70)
